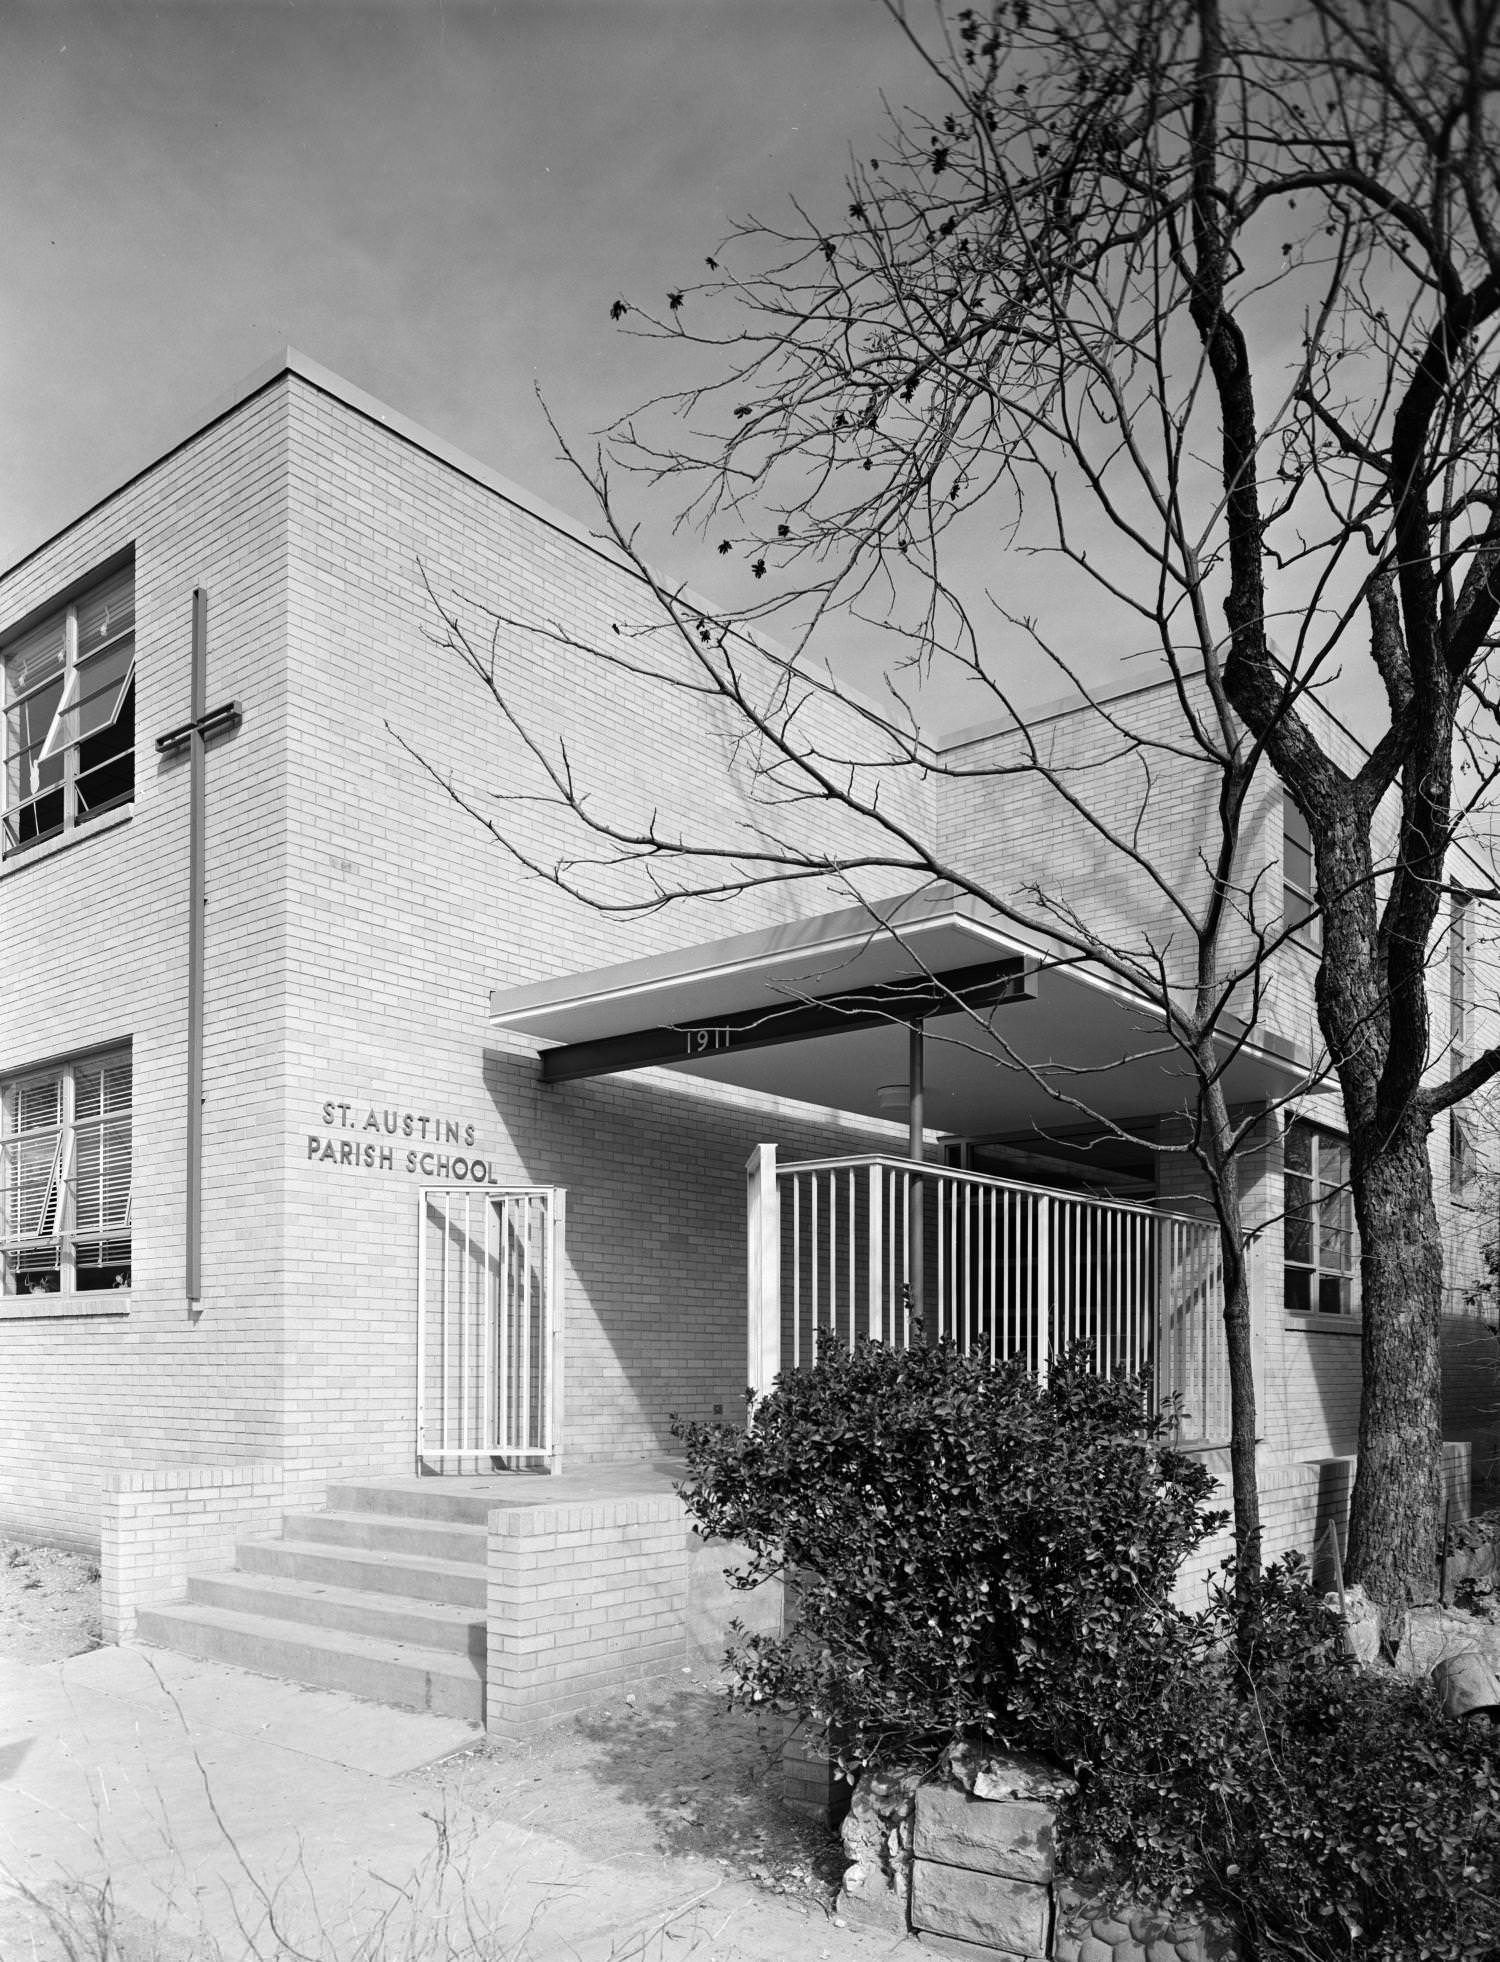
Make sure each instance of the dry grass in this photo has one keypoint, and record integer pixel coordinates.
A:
(49, 1602)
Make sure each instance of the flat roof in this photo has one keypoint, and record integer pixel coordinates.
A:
(817, 1009)
(290, 362)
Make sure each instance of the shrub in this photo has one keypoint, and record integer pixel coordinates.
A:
(1331, 1812)
(971, 1549)
(977, 1553)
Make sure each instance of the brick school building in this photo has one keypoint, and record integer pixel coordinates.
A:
(292, 1199)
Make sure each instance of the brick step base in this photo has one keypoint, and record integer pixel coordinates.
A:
(399, 1673)
(386, 1617)
(460, 1584)
(388, 1605)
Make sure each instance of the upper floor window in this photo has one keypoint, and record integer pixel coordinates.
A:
(1299, 914)
(65, 1178)
(70, 714)
(1318, 1222)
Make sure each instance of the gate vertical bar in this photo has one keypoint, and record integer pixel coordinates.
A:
(489, 1381)
(504, 1346)
(422, 1237)
(443, 1377)
(465, 1261)
(523, 1373)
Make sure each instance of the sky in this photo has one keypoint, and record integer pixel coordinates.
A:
(437, 200)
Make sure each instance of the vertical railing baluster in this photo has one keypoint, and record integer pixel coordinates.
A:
(893, 1214)
(944, 1258)
(815, 1295)
(874, 1279)
(853, 1217)
(796, 1271)
(1042, 1229)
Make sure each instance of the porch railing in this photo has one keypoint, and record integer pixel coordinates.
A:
(1006, 1270)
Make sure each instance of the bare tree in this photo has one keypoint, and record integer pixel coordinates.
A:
(1196, 308)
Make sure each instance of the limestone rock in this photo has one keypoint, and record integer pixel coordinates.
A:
(877, 1834)
(1362, 1620)
(980, 1907)
(1003, 1775)
(1467, 1685)
(972, 1951)
(1432, 1633)
(1012, 1837)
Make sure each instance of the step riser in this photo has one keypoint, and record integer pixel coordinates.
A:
(455, 1508)
(384, 1618)
(333, 1569)
(384, 1534)
(406, 1685)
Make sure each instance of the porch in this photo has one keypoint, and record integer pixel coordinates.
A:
(893, 1249)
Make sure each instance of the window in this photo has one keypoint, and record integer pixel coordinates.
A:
(70, 714)
(65, 1154)
(1299, 914)
(1318, 1223)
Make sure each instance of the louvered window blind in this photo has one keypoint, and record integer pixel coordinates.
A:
(65, 1156)
(70, 714)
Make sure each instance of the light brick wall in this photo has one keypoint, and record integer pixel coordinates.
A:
(584, 1601)
(1298, 1503)
(404, 914)
(358, 919)
(93, 950)
(159, 1526)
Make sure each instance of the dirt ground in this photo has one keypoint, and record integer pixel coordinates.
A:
(49, 1602)
(672, 1769)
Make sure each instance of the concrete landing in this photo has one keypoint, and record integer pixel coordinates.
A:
(236, 1813)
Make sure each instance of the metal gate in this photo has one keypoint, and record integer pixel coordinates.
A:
(489, 1334)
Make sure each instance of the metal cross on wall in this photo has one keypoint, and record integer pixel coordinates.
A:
(193, 736)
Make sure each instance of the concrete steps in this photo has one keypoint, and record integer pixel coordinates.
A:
(381, 1596)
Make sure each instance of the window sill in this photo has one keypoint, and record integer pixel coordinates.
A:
(1323, 1324)
(64, 1307)
(23, 855)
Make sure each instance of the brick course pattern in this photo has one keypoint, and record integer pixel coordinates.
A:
(358, 918)
(158, 1526)
(587, 1600)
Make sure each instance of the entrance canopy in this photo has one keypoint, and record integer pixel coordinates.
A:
(819, 1009)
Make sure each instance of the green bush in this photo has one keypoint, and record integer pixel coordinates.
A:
(1332, 1812)
(971, 1549)
(975, 1554)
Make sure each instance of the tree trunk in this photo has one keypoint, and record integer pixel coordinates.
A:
(1393, 1522)
(1224, 1164)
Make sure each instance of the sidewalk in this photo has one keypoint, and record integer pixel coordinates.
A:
(247, 1818)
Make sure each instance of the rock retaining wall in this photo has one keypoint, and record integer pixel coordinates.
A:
(965, 1859)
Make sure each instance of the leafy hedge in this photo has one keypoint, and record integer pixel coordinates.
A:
(978, 1554)
(971, 1549)
(1331, 1811)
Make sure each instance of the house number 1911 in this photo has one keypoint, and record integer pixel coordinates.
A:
(701, 1041)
